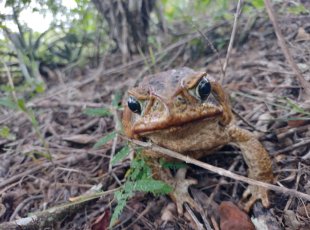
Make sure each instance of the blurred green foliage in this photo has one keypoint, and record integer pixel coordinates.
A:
(188, 10)
(298, 9)
(138, 178)
(73, 36)
(6, 133)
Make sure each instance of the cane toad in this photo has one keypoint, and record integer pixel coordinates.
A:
(188, 112)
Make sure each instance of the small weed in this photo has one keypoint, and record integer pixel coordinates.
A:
(298, 9)
(19, 104)
(295, 107)
(97, 112)
(139, 178)
(6, 134)
(172, 165)
(120, 155)
(105, 139)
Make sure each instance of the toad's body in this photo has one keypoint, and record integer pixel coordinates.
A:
(188, 112)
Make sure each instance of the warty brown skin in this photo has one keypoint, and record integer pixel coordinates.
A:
(174, 117)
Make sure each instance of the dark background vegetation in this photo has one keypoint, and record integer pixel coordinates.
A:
(61, 93)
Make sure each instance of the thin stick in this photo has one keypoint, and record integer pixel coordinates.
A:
(220, 171)
(10, 81)
(55, 214)
(231, 42)
(194, 218)
(303, 142)
(212, 47)
(304, 84)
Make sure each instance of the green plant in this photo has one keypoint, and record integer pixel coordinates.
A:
(296, 108)
(105, 139)
(6, 134)
(172, 165)
(298, 9)
(139, 178)
(15, 103)
(97, 112)
(20, 105)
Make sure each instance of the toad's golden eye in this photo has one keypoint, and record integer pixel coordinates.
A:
(134, 105)
(203, 89)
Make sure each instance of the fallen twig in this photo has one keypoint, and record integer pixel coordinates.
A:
(231, 41)
(291, 147)
(220, 171)
(50, 216)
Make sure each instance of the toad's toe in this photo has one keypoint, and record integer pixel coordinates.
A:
(180, 193)
(256, 193)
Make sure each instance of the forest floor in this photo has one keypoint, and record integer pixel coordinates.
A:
(56, 163)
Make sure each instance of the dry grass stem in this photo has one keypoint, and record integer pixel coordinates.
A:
(231, 41)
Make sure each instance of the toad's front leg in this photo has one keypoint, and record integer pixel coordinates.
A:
(179, 184)
(259, 163)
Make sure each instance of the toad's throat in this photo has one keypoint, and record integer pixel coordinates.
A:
(143, 127)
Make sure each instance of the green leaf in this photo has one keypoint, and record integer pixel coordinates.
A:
(296, 107)
(129, 188)
(117, 211)
(8, 103)
(21, 105)
(298, 9)
(172, 165)
(104, 140)
(152, 56)
(6, 134)
(117, 97)
(97, 112)
(139, 179)
(120, 155)
(151, 185)
(258, 4)
(136, 167)
(121, 197)
(40, 88)
(33, 119)
(43, 154)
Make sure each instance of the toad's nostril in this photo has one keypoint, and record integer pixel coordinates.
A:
(180, 103)
(180, 100)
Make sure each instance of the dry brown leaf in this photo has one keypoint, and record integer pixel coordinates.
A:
(102, 222)
(291, 220)
(168, 213)
(302, 35)
(296, 123)
(232, 218)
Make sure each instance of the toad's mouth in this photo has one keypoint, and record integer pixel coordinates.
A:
(147, 125)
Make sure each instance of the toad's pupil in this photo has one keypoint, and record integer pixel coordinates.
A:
(203, 89)
(134, 105)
